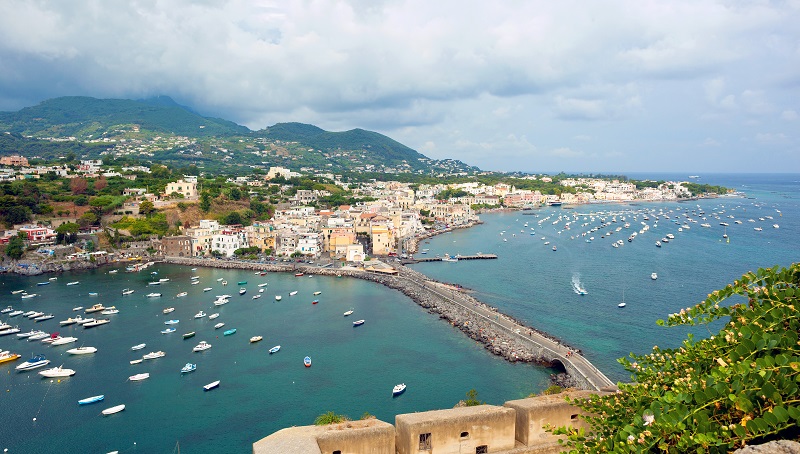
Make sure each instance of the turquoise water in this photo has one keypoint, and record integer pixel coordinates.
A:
(353, 370)
(535, 284)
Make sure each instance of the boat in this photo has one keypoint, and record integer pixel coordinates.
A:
(447, 258)
(207, 289)
(255, 297)
(53, 337)
(110, 311)
(139, 377)
(64, 341)
(73, 283)
(278, 297)
(219, 325)
(317, 293)
(398, 389)
(168, 330)
(138, 347)
(554, 248)
(213, 316)
(38, 336)
(200, 314)
(263, 284)
(358, 322)
(95, 308)
(219, 280)
(224, 282)
(112, 410)
(189, 367)
(17, 292)
(154, 295)
(14, 313)
(168, 310)
(113, 272)
(154, 355)
(776, 226)
(57, 372)
(127, 291)
(82, 350)
(84, 321)
(181, 294)
(33, 315)
(242, 291)
(315, 302)
(162, 280)
(7, 356)
(229, 332)
(154, 283)
(298, 274)
(28, 334)
(97, 322)
(172, 322)
(293, 293)
(210, 386)
(136, 361)
(33, 363)
(255, 339)
(757, 229)
(43, 283)
(91, 400)
(7, 310)
(622, 304)
(653, 276)
(203, 345)
(189, 334)
(350, 312)
(658, 243)
(241, 283)
(220, 302)
(42, 318)
(29, 295)
(92, 293)
(274, 349)
(307, 361)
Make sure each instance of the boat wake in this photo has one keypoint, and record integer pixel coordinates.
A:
(577, 287)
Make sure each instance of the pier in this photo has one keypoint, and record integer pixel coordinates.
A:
(477, 256)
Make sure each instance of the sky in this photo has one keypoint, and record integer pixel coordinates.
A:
(539, 86)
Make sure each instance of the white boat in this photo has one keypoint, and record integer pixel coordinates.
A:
(224, 282)
(172, 322)
(261, 290)
(136, 361)
(139, 377)
(317, 293)
(42, 318)
(138, 347)
(776, 226)
(57, 372)
(7, 310)
(38, 336)
(154, 283)
(242, 291)
(28, 334)
(97, 322)
(181, 294)
(210, 386)
(70, 321)
(8, 331)
(255, 297)
(358, 323)
(113, 272)
(653, 276)
(110, 311)
(35, 314)
(168, 310)
(33, 363)
(64, 341)
(213, 316)
(277, 297)
(168, 330)
(77, 308)
(112, 410)
(220, 302)
(350, 312)
(219, 280)
(293, 293)
(219, 325)
(14, 313)
(82, 350)
(17, 292)
(262, 285)
(203, 345)
(73, 283)
(84, 321)
(127, 291)
(153, 295)
(154, 355)
(29, 295)
(163, 279)
(398, 389)
(189, 367)
(207, 289)
(274, 349)
(95, 308)
(200, 314)
(255, 339)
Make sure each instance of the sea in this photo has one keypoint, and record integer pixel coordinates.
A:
(354, 368)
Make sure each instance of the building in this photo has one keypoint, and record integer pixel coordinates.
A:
(175, 246)
(39, 234)
(188, 189)
(228, 241)
(14, 161)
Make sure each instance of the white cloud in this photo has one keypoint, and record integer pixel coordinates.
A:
(789, 115)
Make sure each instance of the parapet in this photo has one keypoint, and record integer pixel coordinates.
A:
(370, 436)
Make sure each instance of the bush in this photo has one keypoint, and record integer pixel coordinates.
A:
(330, 418)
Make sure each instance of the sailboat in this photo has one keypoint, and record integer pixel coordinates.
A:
(622, 304)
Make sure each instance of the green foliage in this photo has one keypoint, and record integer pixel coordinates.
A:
(146, 208)
(68, 227)
(472, 399)
(247, 251)
(553, 389)
(330, 418)
(698, 189)
(16, 246)
(155, 224)
(739, 386)
(205, 202)
(367, 415)
(448, 194)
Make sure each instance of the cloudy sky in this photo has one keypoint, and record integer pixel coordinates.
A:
(616, 86)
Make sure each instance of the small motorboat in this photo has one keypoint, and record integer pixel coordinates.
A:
(7, 356)
(242, 291)
(33, 363)
(210, 386)
(82, 350)
(91, 400)
(241, 283)
(315, 302)
(92, 293)
(398, 389)
(293, 293)
(138, 347)
(172, 322)
(219, 280)
(73, 283)
(42, 318)
(164, 279)
(181, 294)
(224, 282)
(168, 330)
(189, 335)
(43, 283)
(277, 297)
(168, 310)
(77, 308)
(213, 316)
(112, 410)
(139, 377)
(255, 339)
(262, 285)
(202, 346)
(63, 341)
(207, 289)
(154, 295)
(200, 314)
(95, 308)
(189, 367)
(261, 290)
(274, 349)
(17, 292)
(113, 272)
(7, 310)
(255, 297)
(110, 311)
(219, 325)
(127, 291)
(317, 293)
(154, 355)
(29, 295)
(229, 332)
(136, 361)
(307, 361)
(298, 274)
(653, 276)
(57, 372)
(358, 323)
(97, 322)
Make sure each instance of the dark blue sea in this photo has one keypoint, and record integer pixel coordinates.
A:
(354, 369)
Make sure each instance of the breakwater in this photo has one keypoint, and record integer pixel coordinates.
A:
(497, 332)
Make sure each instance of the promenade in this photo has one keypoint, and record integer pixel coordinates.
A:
(499, 333)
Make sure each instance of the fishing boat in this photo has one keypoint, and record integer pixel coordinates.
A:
(210, 386)
(168, 310)
(229, 332)
(398, 389)
(350, 312)
(189, 335)
(168, 330)
(255, 339)
(112, 410)
(139, 377)
(154, 355)
(138, 347)
(307, 361)
(358, 323)
(82, 350)
(33, 363)
(57, 372)
(181, 294)
(7, 356)
(95, 308)
(202, 346)
(219, 325)
(189, 367)
(274, 349)
(97, 322)
(91, 400)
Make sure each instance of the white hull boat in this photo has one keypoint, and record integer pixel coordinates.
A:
(82, 350)
(57, 372)
(112, 410)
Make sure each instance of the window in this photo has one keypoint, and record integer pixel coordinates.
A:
(425, 442)
(337, 452)
(464, 434)
(482, 449)
(574, 417)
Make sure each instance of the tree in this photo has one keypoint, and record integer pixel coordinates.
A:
(16, 214)
(205, 202)
(472, 399)
(146, 208)
(235, 194)
(100, 183)
(16, 246)
(68, 227)
(232, 218)
(78, 185)
(736, 387)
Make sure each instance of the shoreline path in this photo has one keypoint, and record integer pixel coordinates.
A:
(499, 333)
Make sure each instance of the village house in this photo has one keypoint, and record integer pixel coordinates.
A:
(175, 246)
(14, 160)
(187, 189)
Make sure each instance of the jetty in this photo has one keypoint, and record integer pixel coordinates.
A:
(497, 332)
(477, 256)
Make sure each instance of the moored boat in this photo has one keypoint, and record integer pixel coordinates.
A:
(277, 297)
(229, 332)
(207, 289)
(200, 314)
(307, 361)
(398, 389)
(91, 400)
(255, 339)
(97, 322)
(82, 350)
(95, 308)
(33, 363)
(172, 322)
(219, 325)
(317, 293)
(210, 386)
(350, 312)
(112, 410)
(154, 295)
(138, 347)
(189, 335)
(653, 276)
(358, 323)
(7, 356)
(139, 377)
(168, 330)
(64, 341)
(73, 283)
(293, 293)
(202, 346)
(298, 274)
(242, 291)
(168, 310)
(154, 355)
(213, 316)
(189, 367)
(181, 294)
(57, 372)
(274, 349)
